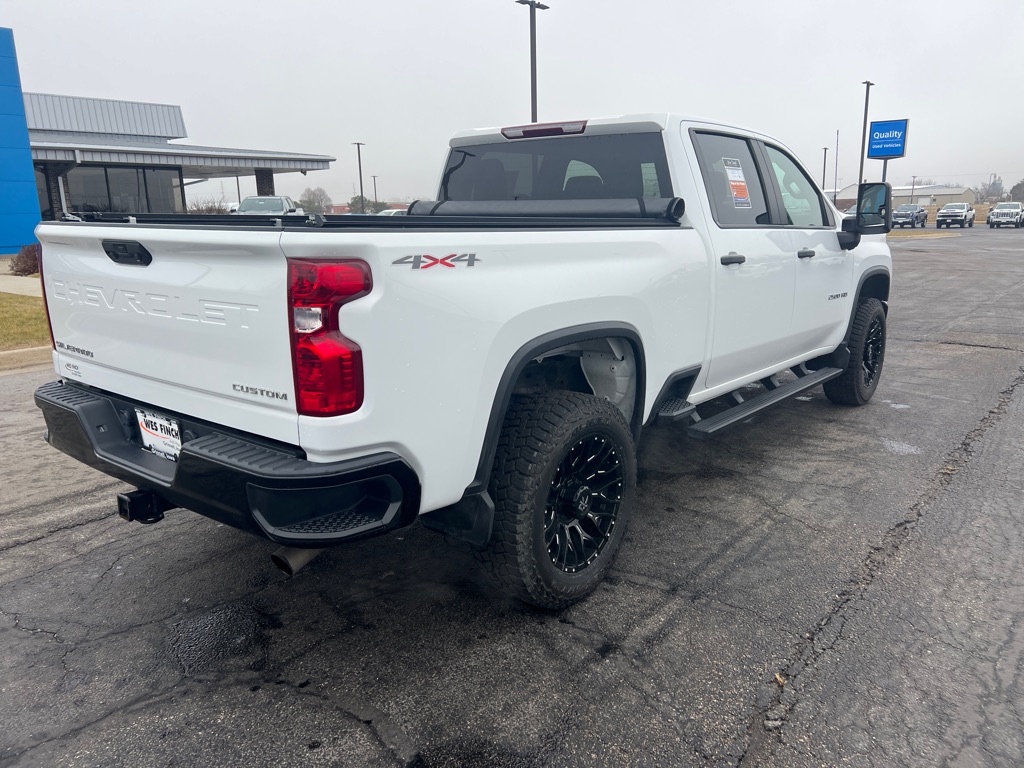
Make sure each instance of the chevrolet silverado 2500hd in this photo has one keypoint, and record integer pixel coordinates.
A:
(484, 364)
(1006, 215)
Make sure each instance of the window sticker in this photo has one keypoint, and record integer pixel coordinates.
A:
(737, 182)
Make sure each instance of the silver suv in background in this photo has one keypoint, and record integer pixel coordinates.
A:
(1006, 215)
(267, 205)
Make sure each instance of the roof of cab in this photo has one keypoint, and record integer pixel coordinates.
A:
(645, 122)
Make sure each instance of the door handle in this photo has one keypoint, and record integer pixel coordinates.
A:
(732, 258)
(805, 253)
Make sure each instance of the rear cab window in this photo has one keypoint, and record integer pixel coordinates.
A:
(602, 166)
(732, 180)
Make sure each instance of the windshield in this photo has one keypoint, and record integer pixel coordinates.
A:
(1008, 206)
(563, 168)
(262, 205)
(955, 207)
(907, 208)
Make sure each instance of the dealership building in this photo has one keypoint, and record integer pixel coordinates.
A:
(67, 153)
(122, 156)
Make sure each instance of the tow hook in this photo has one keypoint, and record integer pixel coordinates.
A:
(143, 507)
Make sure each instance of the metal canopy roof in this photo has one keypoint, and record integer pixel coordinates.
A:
(196, 162)
(73, 130)
(49, 112)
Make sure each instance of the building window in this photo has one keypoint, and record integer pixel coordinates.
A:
(127, 190)
(120, 189)
(164, 187)
(87, 188)
(44, 195)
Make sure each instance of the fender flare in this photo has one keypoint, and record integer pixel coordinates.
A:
(867, 275)
(472, 517)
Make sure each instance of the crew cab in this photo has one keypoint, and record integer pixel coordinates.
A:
(955, 213)
(1006, 215)
(910, 215)
(484, 364)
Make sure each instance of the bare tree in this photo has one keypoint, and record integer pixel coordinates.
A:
(315, 200)
(208, 204)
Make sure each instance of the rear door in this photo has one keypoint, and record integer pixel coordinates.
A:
(187, 320)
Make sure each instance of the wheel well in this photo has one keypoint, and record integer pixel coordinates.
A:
(876, 287)
(605, 367)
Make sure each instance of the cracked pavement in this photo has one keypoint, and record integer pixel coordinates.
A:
(819, 586)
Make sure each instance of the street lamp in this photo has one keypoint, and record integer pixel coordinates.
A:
(534, 7)
(359, 157)
(864, 131)
(824, 166)
(374, 191)
(913, 186)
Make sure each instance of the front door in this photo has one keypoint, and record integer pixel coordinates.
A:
(824, 272)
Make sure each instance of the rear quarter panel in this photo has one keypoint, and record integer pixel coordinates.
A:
(437, 340)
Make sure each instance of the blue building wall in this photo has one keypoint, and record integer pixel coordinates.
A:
(19, 200)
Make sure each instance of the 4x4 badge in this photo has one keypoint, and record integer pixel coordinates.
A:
(423, 261)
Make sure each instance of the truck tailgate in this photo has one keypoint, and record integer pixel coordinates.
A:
(202, 328)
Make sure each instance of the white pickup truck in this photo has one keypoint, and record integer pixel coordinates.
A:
(485, 364)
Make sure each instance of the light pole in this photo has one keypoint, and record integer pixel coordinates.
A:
(835, 177)
(359, 157)
(913, 186)
(374, 191)
(824, 166)
(864, 131)
(534, 7)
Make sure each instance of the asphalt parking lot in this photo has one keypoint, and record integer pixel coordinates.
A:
(821, 586)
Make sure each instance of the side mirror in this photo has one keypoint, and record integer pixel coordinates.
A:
(290, 210)
(874, 214)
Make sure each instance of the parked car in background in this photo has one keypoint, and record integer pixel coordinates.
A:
(955, 213)
(1006, 215)
(394, 212)
(909, 214)
(267, 205)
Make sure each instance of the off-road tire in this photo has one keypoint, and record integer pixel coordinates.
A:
(867, 354)
(530, 488)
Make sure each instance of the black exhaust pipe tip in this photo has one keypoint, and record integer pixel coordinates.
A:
(282, 563)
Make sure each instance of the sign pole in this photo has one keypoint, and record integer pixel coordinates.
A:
(885, 167)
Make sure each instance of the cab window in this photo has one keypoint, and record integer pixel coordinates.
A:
(731, 178)
(800, 198)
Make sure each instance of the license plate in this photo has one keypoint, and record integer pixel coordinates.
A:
(159, 434)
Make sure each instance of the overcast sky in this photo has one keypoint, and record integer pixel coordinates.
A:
(403, 75)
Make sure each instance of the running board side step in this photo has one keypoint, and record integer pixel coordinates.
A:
(746, 409)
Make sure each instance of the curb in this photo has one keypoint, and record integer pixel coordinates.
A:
(19, 359)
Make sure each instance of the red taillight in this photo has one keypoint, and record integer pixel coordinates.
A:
(328, 367)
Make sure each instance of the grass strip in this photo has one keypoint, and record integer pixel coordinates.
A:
(22, 322)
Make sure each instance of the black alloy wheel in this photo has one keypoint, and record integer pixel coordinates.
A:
(583, 503)
(859, 380)
(874, 351)
(563, 485)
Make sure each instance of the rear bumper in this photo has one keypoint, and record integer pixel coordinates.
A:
(239, 480)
